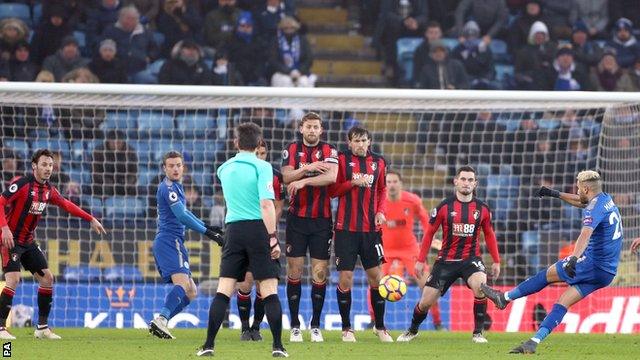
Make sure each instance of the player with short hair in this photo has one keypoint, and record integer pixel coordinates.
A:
(251, 238)
(308, 167)
(398, 240)
(462, 216)
(244, 288)
(27, 198)
(361, 192)
(171, 256)
(592, 266)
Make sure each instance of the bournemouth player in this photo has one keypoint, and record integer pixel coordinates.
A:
(27, 199)
(251, 239)
(361, 190)
(244, 288)
(169, 251)
(308, 167)
(461, 216)
(399, 242)
(592, 266)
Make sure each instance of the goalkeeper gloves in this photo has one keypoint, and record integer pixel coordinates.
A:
(545, 191)
(570, 266)
(216, 234)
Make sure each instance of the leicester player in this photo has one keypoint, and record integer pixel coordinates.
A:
(592, 266)
(361, 192)
(27, 199)
(462, 216)
(308, 167)
(172, 259)
(398, 240)
(244, 288)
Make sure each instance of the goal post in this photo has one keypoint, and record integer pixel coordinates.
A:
(517, 141)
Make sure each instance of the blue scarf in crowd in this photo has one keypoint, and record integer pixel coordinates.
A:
(290, 52)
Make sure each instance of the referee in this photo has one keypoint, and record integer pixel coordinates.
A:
(251, 243)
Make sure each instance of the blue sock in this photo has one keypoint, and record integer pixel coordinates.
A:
(553, 319)
(172, 301)
(183, 304)
(530, 286)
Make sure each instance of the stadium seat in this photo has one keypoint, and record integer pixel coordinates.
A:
(150, 74)
(202, 150)
(160, 147)
(203, 176)
(144, 151)
(154, 123)
(80, 174)
(504, 75)
(82, 273)
(53, 144)
(37, 14)
(530, 243)
(19, 147)
(128, 273)
(96, 205)
(146, 174)
(16, 10)
(450, 43)
(405, 49)
(499, 51)
(120, 120)
(548, 124)
(510, 124)
(125, 207)
(159, 39)
(196, 125)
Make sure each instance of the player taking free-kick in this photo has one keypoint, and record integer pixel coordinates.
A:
(592, 266)
(27, 199)
(461, 216)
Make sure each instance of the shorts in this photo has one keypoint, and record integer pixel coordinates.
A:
(314, 234)
(588, 277)
(171, 256)
(30, 256)
(397, 265)
(348, 245)
(445, 273)
(247, 248)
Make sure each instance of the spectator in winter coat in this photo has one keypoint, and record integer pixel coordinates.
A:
(585, 51)
(107, 66)
(609, 76)
(490, 15)
(148, 9)
(186, 66)
(12, 32)
(442, 72)
(432, 34)
(67, 58)
(634, 75)
(565, 74)
(268, 17)
(535, 58)
(247, 53)
(21, 68)
(519, 31)
(99, 18)
(626, 45)
(136, 46)
(219, 24)
(49, 34)
(594, 13)
(475, 55)
(178, 20)
(291, 57)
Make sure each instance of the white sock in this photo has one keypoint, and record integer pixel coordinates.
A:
(535, 340)
(506, 296)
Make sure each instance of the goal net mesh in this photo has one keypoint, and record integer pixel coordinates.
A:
(110, 149)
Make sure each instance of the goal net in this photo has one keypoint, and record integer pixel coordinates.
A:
(110, 140)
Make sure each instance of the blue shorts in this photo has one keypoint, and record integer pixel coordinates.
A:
(588, 277)
(171, 256)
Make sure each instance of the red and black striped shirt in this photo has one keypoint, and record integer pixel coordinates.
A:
(26, 200)
(310, 201)
(461, 223)
(278, 185)
(358, 206)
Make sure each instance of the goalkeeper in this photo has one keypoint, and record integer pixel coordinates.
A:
(169, 251)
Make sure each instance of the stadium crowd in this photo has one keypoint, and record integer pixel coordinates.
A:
(433, 44)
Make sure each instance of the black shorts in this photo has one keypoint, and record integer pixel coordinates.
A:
(30, 256)
(348, 245)
(445, 273)
(314, 234)
(247, 248)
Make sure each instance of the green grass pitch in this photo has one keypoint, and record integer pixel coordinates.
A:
(93, 344)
